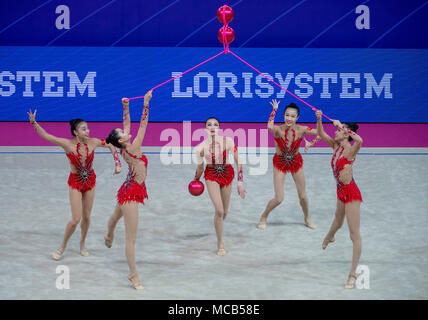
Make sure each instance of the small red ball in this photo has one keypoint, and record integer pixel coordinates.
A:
(196, 188)
(225, 14)
(229, 34)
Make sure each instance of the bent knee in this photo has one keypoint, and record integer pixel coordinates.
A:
(303, 197)
(278, 200)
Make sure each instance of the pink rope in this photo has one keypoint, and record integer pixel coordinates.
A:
(225, 51)
(313, 108)
(159, 85)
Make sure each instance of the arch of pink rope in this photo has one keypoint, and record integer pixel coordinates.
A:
(312, 107)
(198, 65)
(225, 51)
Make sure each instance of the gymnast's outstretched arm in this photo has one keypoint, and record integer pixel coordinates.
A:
(101, 143)
(143, 122)
(358, 141)
(271, 126)
(324, 136)
(308, 130)
(126, 116)
(64, 143)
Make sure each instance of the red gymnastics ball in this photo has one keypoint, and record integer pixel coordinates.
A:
(196, 188)
(225, 14)
(228, 33)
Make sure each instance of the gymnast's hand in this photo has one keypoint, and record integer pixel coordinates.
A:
(274, 104)
(307, 145)
(125, 102)
(32, 116)
(147, 97)
(241, 190)
(117, 168)
(337, 123)
(318, 113)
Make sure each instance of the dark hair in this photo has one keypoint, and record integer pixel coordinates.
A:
(74, 123)
(113, 138)
(212, 118)
(293, 106)
(351, 126)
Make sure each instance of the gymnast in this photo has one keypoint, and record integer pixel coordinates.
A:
(348, 195)
(218, 174)
(82, 178)
(133, 191)
(288, 159)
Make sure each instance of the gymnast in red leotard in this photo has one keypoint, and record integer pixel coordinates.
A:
(80, 152)
(218, 174)
(348, 195)
(288, 159)
(222, 172)
(84, 179)
(133, 190)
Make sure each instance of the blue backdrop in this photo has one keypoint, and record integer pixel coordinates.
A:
(362, 85)
(358, 60)
(258, 23)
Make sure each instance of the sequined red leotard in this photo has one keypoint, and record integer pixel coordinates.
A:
(290, 159)
(222, 173)
(85, 177)
(345, 192)
(131, 190)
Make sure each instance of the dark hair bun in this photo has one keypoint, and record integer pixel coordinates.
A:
(108, 140)
(352, 126)
(73, 124)
(293, 106)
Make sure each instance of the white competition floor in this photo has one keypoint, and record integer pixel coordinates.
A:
(176, 243)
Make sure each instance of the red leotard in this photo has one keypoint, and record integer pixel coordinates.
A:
(130, 189)
(223, 173)
(345, 192)
(290, 159)
(85, 177)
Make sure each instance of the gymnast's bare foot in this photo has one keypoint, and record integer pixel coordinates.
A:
(262, 223)
(57, 255)
(352, 279)
(83, 250)
(326, 242)
(135, 280)
(309, 223)
(221, 251)
(108, 241)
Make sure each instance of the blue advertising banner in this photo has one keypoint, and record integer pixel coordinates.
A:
(361, 85)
